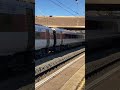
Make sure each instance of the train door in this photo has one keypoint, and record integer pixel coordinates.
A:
(61, 37)
(54, 34)
(47, 38)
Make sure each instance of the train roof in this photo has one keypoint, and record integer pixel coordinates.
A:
(66, 31)
(42, 28)
(57, 29)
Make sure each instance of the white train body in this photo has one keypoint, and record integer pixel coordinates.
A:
(52, 37)
(59, 39)
(43, 37)
(71, 37)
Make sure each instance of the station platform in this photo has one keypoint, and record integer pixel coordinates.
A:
(71, 78)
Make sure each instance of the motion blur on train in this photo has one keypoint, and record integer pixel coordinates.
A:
(17, 45)
(16, 32)
(55, 39)
(47, 40)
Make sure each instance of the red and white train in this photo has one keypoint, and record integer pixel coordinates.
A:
(16, 25)
(16, 31)
(54, 39)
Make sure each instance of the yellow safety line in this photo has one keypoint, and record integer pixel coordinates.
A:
(82, 84)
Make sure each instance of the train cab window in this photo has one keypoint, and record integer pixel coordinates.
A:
(67, 36)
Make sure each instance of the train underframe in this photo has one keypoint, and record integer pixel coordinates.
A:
(24, 60)
(48, 51)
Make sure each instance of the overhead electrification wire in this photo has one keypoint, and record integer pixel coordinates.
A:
(77, 1)
(67, 7)
(42, 14)
(40, 11)
(39, 8)
(62, 7)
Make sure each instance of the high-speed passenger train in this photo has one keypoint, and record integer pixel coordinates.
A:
(16, 27)
(17, 48)
(55, 39)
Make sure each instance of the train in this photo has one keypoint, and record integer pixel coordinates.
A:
(19, 40)
(16, 25)
(17, 50)
(55, 39)
(45, 38)
(52, 39)
(16, 32)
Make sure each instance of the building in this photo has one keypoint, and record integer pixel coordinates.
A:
(67, 22)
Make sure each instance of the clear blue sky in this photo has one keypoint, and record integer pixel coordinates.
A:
(46, 7)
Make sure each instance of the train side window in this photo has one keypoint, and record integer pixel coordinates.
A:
(37, 35)
(81, 36)
(65, 36)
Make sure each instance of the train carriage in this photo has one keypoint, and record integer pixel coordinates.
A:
(55, 39)
(72, 38)
(16, 32)
(44, 40)
(43, 37)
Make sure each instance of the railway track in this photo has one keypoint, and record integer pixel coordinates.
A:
(96, 70)
(59, 60)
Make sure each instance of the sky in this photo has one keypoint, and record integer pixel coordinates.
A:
(51, 7)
